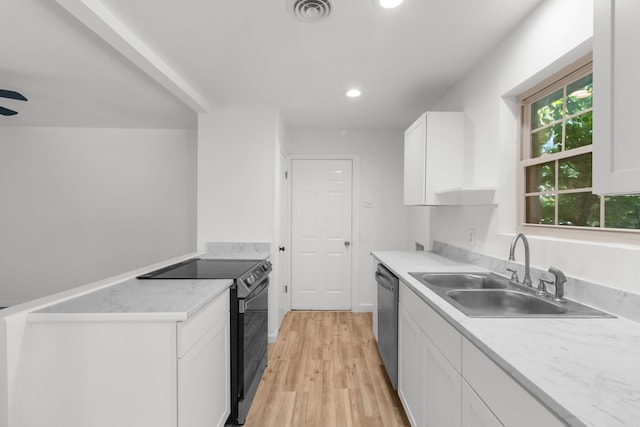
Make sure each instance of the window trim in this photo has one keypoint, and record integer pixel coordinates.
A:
(523, 159)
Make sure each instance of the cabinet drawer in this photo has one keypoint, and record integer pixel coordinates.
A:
(511, 403)
(207, 317)
(445, 337)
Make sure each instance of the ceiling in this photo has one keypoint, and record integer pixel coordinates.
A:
(156, 63)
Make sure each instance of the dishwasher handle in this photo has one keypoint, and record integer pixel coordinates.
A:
(385, 278)
(383, 282)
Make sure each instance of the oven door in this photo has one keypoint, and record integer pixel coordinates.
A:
(253, 322)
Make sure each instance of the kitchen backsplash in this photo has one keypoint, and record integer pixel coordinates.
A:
(238, 250)
(615, 301)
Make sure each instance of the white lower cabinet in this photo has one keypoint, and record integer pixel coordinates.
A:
(508, 401)
(428, 384)
(442, 388)
(410, 365)
(446, 381)
(131, 373)
(203, 380)
(474, 412)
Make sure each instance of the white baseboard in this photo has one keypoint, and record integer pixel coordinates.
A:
(363, 308)
(273, 338)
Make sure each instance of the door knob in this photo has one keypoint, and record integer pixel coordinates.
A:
(281, 248)
(347, 243)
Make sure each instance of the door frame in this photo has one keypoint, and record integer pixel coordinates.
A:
(355, 220)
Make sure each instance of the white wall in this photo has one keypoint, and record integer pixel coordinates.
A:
(281, 221)
(238, 197)
(236, 172)
(82, 204)
(383, 226)
(554, 35)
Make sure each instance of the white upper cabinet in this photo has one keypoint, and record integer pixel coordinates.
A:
(616, 67)
(433, 156)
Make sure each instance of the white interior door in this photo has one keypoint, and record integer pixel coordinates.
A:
(321, 234)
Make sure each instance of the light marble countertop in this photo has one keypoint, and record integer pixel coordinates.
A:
(587, 371)
(137, 300)
(147, 300)
(238, 250)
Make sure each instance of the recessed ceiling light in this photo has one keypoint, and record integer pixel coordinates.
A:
(389, 4)
(353, 93)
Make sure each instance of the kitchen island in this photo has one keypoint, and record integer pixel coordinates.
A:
(583, 372)
(139, 353)
(121, 351)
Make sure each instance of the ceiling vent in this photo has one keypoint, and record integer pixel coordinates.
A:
(311, 10)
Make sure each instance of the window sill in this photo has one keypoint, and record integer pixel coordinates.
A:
(627, 239)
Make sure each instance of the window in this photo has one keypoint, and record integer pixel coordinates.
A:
(556, 121)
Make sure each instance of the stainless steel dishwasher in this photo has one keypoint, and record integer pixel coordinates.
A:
(388, 288)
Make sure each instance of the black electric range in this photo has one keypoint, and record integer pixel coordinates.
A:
(246, 273)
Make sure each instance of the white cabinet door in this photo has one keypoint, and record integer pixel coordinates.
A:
(428, 385)
(410, 367)
(433, 157)
(474, 412)
(203, 380)
(441, 388)
(616, 70)
(510, 402)
(414, 162)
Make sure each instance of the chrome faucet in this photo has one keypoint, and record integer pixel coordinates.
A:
(527, 276)
(560, 281)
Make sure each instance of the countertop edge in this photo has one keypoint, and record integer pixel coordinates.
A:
(150, 316)
(106, 317)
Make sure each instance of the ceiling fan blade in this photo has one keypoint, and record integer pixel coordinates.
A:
(11, 94)
(7, 112)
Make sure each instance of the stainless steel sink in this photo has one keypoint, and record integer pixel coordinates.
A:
(499, 302)
(491, 295)
(462, 281)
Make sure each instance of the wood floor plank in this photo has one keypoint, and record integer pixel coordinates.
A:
(325, 371)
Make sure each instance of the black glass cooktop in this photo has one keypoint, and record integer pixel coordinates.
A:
(204, 269)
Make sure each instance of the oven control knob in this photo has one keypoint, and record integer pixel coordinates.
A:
(250, 280)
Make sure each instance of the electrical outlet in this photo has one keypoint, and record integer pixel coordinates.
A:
(472, 237)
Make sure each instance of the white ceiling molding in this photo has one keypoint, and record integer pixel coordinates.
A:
(105, 24)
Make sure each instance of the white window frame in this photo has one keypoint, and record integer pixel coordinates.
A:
(571, 73)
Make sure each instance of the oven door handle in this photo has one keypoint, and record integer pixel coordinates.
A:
(244, 304)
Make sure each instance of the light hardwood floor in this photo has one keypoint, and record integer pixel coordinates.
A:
(324, 370)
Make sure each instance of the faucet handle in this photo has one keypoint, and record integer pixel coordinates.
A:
(542, 287)
(514, 274)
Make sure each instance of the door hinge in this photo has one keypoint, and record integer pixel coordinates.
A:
(286, 289)
(286, 174)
